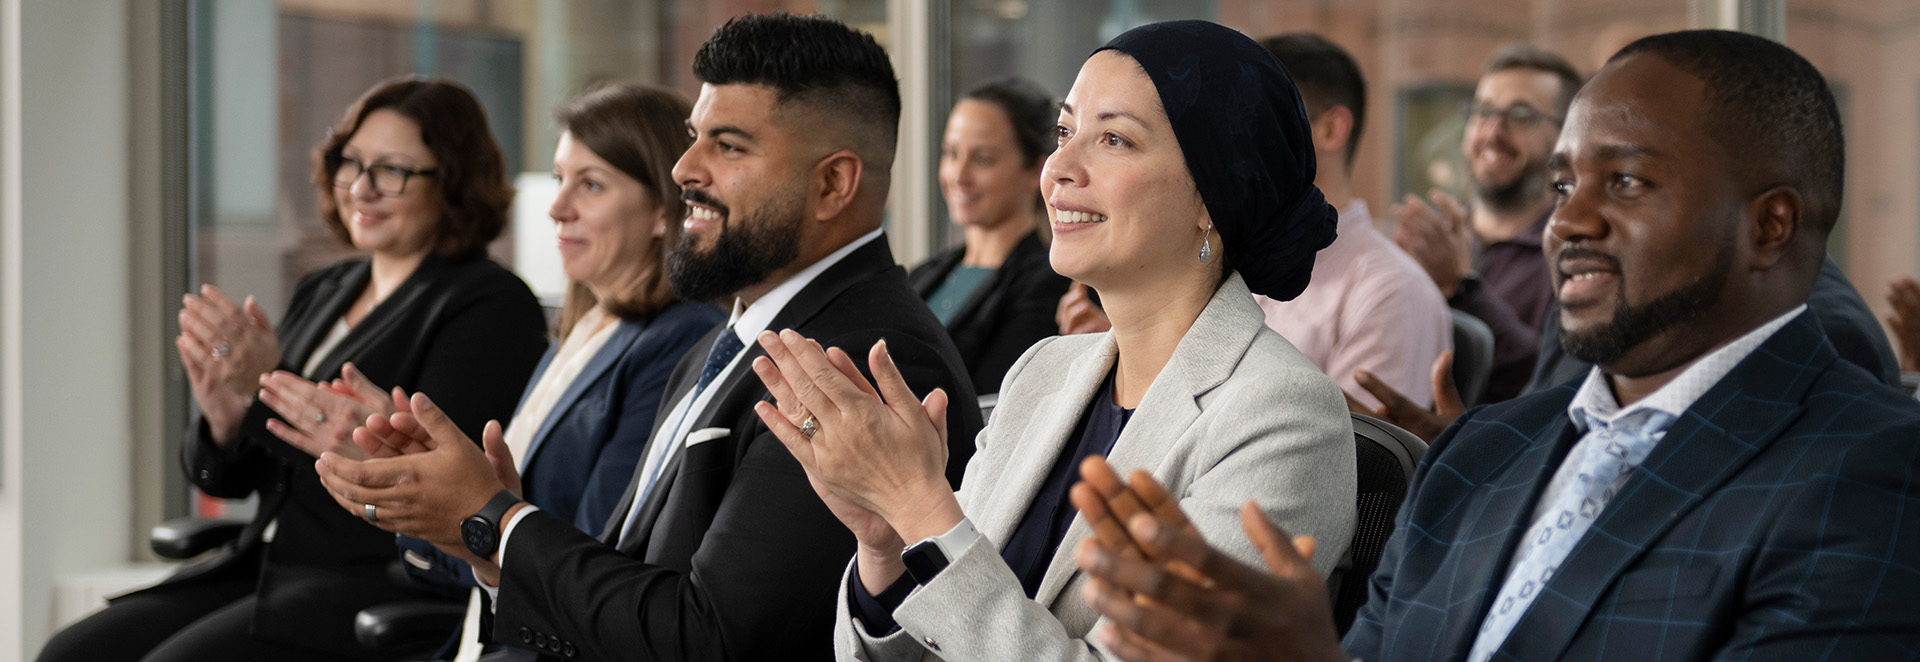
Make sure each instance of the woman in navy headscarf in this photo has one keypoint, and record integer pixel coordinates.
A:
(1181, 186)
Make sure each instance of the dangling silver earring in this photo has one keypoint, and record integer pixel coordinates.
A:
(1206, 247)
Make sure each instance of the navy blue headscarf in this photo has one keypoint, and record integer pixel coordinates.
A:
(1248, 145)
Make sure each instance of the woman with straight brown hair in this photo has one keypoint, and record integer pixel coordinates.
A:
(411, 176)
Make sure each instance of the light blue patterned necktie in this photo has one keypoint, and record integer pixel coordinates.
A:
(1604, 458)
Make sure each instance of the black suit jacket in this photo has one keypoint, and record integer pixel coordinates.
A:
(734, 557)
(1776, 520)
(1849, 323)
(467, 333)
(1012, 309)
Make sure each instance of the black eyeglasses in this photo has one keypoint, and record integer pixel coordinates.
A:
(1518, 116)
(387, 179)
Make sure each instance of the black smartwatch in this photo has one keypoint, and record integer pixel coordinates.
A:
(927, 558)
(481, 532)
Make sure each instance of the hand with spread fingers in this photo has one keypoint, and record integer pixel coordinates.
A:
(320, 418)
(1438, 235)
(1079, 314)
(224, 347)
(1395, 408)
(441, 479)
(1233, 612)
(1904, 296)
(869, 449)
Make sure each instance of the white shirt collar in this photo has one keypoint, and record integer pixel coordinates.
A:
(747, 322)
(1594, 401)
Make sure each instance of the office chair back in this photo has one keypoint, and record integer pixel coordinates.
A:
(1472, 356)
(1386, 456)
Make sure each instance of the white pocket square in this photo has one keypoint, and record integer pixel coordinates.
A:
(705, 435)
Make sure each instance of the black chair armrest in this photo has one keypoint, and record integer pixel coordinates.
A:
(412, 625)
(187, 537)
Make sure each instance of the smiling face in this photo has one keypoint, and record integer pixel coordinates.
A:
(982, 173)
(745, 194)
(608, 222)
(402, 224)
(1124, 209)
(1650, 240)
(1507, 163)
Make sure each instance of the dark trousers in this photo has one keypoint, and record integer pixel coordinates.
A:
(205, 620)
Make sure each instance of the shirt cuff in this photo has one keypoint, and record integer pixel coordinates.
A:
(493, 592)
(876, 612)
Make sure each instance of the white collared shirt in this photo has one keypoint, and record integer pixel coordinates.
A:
(1594, 402)
(747, 322)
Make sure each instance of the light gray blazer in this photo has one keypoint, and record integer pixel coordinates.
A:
(1236, 414)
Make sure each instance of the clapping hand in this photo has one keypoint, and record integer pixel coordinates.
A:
(224, 348)
(1231, 612)
(1904, 296)
(321, 417)
(1077, 313)
(432, 476)
(1438, 236)
(1395, 408)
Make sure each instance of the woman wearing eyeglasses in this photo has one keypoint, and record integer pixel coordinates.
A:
(412, 177)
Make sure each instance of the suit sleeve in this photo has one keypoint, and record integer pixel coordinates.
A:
(1835, 578)
(761, 580)
(1296, 462)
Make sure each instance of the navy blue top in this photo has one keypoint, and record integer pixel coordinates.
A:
(1030, 549)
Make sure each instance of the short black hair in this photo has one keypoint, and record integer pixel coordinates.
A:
(1029, 109)
(1327, 76)
(813, 61)
(1765, 104)
(1528, 56)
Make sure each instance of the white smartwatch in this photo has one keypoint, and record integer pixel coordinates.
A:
(927, 558)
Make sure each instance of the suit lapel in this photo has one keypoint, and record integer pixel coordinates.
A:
(685, 374)
(1036, 446)
(1709, 444)
(610, 352)
(1204, 359)
(332, 299)
(385, 316)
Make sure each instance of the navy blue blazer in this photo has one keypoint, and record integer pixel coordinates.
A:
(581, 457)
(1779, 519)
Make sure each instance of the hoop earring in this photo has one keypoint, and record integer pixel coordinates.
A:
(1206, 247)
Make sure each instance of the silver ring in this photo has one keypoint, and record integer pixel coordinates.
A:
(809, 427)
(321, 417)
(369, 515)
(221, 350)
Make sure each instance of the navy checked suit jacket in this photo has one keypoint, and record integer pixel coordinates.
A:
(1779, 519)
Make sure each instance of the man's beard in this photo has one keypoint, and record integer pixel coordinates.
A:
(1633, 325)
(1515, 194)
(747, 252)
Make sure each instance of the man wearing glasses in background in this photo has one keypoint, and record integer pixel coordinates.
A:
(1486, 258)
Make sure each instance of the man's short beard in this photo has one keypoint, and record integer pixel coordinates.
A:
(745, 253)
(1525, 189)
(1633, 325)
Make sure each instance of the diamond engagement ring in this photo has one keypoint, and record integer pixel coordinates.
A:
(221, 350)
(321, 417)
(809, 427)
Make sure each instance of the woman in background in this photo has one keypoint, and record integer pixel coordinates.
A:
(412, 176)
(996, 293)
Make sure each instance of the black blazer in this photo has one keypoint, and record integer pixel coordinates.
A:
(1010, 312)
(734, 557)
(467, 333)
(1775, 521)
(1849, 323)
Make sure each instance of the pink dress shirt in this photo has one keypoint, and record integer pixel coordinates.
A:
(1369, 307)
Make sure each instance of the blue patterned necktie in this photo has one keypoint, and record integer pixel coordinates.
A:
(724, 348)
(1603, 460)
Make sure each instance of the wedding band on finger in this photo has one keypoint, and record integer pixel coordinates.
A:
(809, 427)
(221, 350)
(369, 515)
